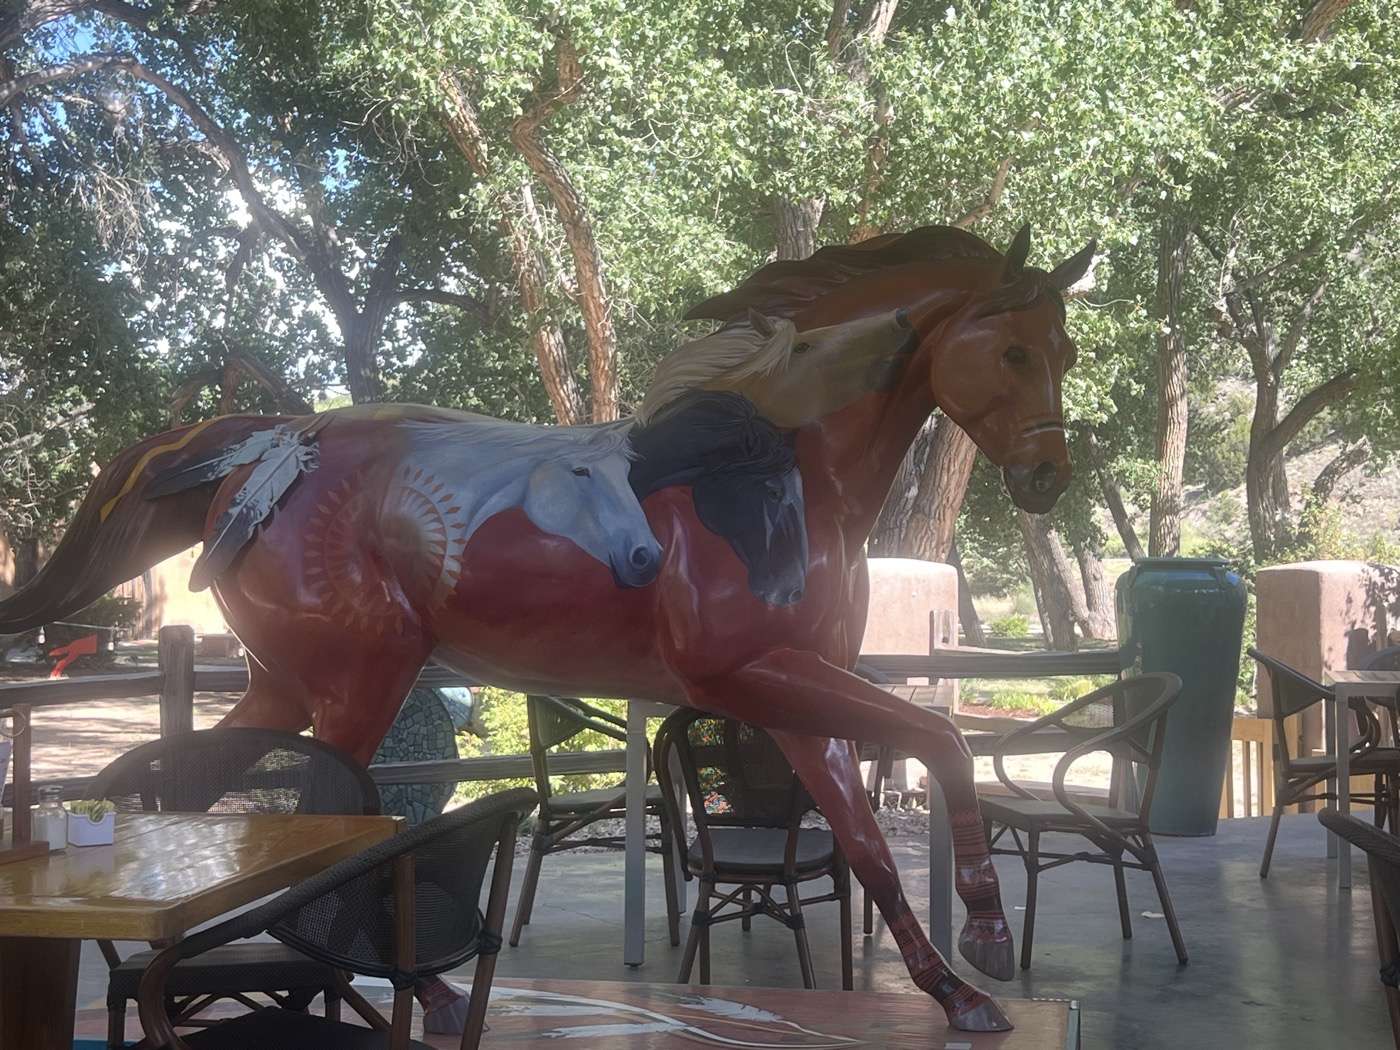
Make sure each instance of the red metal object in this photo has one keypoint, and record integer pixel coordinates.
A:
(359, 574)
(66, 654)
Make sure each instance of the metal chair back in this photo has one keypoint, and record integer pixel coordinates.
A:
(1293, 692)
(237, 770)
(556, 720)
(735, 776)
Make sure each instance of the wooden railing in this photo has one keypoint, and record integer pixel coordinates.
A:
(177, 678)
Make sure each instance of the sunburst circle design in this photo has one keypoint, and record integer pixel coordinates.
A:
(419, 519)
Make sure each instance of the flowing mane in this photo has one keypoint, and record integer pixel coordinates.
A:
(733, 353)
(780, 289)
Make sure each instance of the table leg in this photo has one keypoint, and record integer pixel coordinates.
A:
(1342, 720)
(38, 992)
(940, 871)
(1329, 743)
(635, 878)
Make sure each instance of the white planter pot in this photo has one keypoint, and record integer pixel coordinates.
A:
(83, 831)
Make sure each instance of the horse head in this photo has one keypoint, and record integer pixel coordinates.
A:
(744, 483)
(763, 517)
(585, 496)
(995, 366)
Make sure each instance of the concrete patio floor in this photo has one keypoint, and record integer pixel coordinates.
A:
(1283, 964)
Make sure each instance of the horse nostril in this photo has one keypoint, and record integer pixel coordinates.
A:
(1044, 478)
(642, 557)
(794, 596)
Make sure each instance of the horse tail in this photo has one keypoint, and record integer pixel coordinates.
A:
(118, 534)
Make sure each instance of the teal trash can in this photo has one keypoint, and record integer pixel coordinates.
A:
(1186, 615)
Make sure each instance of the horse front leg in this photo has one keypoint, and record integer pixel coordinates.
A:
(830, 770)
(799, 692)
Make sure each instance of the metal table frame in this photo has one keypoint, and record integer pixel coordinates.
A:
(1346, 686)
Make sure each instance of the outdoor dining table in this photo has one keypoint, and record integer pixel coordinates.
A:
(164, 874)
(1347, 686)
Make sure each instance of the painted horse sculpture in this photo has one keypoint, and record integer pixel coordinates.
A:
(339, 608)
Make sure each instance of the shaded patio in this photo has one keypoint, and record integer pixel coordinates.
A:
(1284, 963)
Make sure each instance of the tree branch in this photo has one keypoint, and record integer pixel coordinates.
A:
(1297, 327)
(62, 71)
(442, 297)
(994, 193)
(1307, 408)
(1340, 466)
(1317, 23)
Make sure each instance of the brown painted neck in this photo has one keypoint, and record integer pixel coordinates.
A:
(857, 450)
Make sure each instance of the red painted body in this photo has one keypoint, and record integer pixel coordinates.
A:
(338, 607)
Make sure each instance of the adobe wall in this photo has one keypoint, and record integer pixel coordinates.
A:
(1320, 616)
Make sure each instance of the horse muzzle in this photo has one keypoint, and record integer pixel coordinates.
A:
(639, 566)
(1036, 488)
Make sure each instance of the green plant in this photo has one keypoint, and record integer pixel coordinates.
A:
(1016, 625)
(507, 732)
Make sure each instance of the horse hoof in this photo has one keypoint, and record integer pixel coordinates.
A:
(981, 1014)
(448, 1019)
(989, 948)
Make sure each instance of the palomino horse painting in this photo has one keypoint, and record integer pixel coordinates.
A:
(335, 638)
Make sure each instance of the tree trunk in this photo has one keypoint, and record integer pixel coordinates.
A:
(361, 370)
(1098, 601)
(1061, 600)
(889, 537)
(1165, 520)
(1317, 24)
(1114, 499)
(797, 223)
(968, 619)
(942, 488)
(516, 216)
(551, 354)
(26, 553)
(578, 231)
(1265, 478)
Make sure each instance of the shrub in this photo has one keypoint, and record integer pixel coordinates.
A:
(507, 732)
(1014, 626)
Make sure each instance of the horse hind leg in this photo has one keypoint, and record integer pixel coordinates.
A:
(831, 772)
(799, 692)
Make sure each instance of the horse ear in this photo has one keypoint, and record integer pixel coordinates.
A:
(1014, 261)
(1069, 272)
(764, 326)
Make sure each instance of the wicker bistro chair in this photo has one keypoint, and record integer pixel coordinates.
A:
(748, 805)
(1128, 719)
(1295, 778)
(405, 909)
(1382, 850)
(554, 721)
(231, 771)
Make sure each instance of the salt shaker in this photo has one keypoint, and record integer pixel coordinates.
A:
(51, 819)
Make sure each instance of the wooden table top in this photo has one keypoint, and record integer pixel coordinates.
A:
(168, 872)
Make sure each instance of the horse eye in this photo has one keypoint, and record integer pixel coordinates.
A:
(582, 472)
(1015, 356)
(801, 348)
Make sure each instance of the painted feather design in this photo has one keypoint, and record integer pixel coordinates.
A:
(219, 465)
(278, 467)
